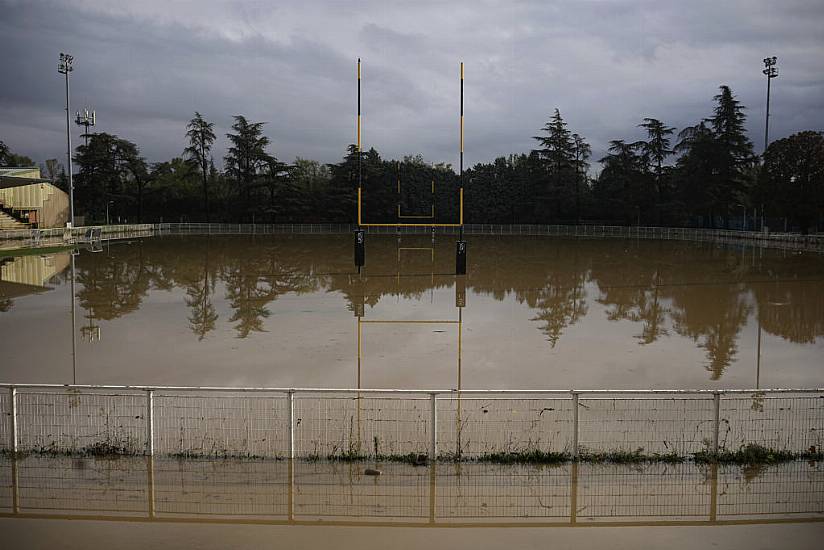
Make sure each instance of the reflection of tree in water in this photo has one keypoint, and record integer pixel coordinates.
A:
(253, 281)
(795, 311)
(629, 284)
(706, 300)
(560, 306)
(652, 314)
(203, 317)
(712, 316)
(549, 275)
(699, 290)
(791, 298)
(710, 302)
(113, 285)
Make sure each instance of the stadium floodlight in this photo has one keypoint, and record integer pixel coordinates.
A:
(64, 67)
(770, 71)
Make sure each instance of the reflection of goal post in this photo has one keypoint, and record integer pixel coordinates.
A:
(460, 303)
(431, 222)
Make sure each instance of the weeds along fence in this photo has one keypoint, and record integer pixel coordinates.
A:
(475, 494)
(53, 237)
(361, 424)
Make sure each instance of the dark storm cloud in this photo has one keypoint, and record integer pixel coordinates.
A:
(147, 66)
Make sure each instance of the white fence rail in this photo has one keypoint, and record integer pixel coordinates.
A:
(52, 237)
(792, 241)
(346, 423)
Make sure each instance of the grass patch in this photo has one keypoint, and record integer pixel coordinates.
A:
(533, 456)
(409, 458)
(747, 455)
(630, 457)
(754, 453)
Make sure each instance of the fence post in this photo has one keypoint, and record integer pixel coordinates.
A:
(433, 422)
(574, 425)
(716, 398)
(290, 416)
(13, 443)
(150, 422)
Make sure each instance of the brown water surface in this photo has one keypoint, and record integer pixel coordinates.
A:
(287, 311)
(139, 502)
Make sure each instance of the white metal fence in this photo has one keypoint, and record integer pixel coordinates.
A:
(344, 423)
(792, 241)
(51, 237)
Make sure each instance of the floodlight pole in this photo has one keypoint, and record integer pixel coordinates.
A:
(65, 67)
(360, 151)
(460, 164)
(770, 71)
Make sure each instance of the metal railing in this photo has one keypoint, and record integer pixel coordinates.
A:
(60, 236)
(474, 494)
(374, 423)
(788, 241)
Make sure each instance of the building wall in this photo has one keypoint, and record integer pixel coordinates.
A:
(47, 205)
(55, 211)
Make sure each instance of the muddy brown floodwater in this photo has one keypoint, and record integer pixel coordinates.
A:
(291, 311)
(533, 312)
(140, 502)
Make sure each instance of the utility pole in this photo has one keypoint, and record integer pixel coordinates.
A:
(64, 66)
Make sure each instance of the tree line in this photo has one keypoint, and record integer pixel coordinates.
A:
(705, 175)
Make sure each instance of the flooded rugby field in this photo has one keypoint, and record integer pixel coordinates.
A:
(292, 311)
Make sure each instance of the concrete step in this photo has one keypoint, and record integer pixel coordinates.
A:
(9, 222)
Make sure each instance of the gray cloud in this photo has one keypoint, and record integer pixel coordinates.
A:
(147, 66)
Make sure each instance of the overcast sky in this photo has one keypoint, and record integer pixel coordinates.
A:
(147, 65)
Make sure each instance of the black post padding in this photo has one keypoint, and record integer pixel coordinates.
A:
(360, 247)
(460, 258)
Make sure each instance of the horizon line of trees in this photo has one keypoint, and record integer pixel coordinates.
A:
(705, 175)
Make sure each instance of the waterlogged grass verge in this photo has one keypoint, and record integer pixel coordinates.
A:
(746, 455)
(757, 454)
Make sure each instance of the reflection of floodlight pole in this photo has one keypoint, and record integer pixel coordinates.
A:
(74, 325)
(758, 358)
(758, 351)
(86, 119)
(64, 66)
